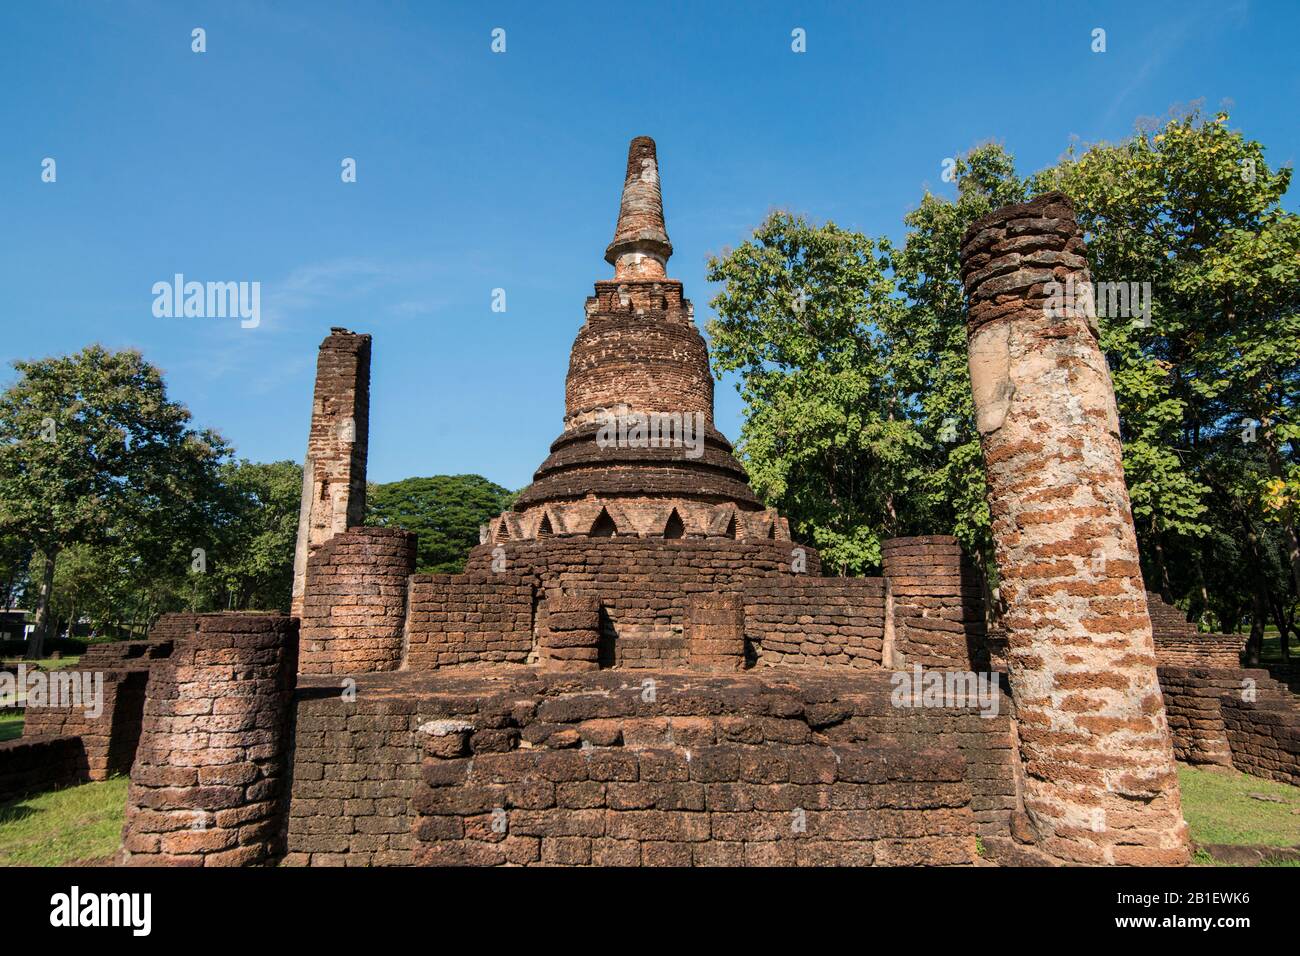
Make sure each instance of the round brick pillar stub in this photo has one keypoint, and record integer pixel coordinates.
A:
(207, 783)
(1100, 781)
(354, 614)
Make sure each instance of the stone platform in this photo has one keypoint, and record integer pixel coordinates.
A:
(501, 764)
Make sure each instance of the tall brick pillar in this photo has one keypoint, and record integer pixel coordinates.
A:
(334, 472)
(207, 783)
(1100, 784)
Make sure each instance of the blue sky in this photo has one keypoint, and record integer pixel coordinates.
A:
(479, 171)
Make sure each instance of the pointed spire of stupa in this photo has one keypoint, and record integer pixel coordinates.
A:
(640, 249)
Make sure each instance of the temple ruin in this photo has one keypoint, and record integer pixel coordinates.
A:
(640, 666)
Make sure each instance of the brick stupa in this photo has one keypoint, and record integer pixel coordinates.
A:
(640, 368)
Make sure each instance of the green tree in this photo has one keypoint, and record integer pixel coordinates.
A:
(444, 511)
(828, 437)
(929, 343)
(255, 544)
(15, 562)
(1193, 208)
(852, 362)
(92, 452)
(859, 421)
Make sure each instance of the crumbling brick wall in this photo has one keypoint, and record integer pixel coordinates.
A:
(1233, 717)
(1179, 644)
(513, 765)
(715, 633)
(1192, 701)
(836, 622)
(354, 773)
(172, 625)
(644, 585)
(1263, 730)
(1100, 783)
(465, 618)
(34, 764)
(354, 615)
(570, 636)
(1166, 619)
(937, 604)
(209, 778)
(109, 738)
(1200, 650)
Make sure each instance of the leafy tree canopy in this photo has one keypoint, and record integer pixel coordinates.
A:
(444, 511)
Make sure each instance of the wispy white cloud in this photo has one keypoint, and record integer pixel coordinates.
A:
(311, 297)
(1198, 21)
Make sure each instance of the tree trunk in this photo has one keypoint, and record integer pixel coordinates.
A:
(1288, 517)
(1231, 622)
(1166, 592)
(1201, 604)
(36, 646)
(1282, 625)
(1255, 642)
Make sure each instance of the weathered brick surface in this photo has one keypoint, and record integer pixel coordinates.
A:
(1100, 785)
(644, 585)
(1233, 717)
(640, 247)
(467, 618)
(334, 471)
(510, 765)
(1195, 714)
(937, 604)
(715, 633)
(32, 764)
(831, 622)
(172, 625)
(1201, 650)
(109, 738)
(1264, 731)
(354, 614)
(1179, 644)
(569, 638)
(207, 786)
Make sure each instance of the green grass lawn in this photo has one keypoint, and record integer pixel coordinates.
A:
(48, 663)
(1219, 809)
(11, 725)
(77, 825)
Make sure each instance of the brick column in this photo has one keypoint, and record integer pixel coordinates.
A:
(570, 639)
(206, 788)
(354, 617)
(1100, 785)
(715, 633)
(938, 606)
(334, 471)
